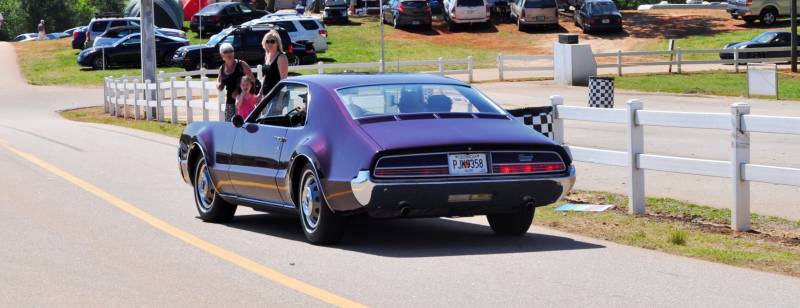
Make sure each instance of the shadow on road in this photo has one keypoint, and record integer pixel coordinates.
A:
(414, 238)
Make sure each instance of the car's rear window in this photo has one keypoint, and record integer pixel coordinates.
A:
(603, 8)
(99, 26)
(398, 99)
(540, 4)
(470, 3)
(288, 25)
(212, 8)
(309, 24)
(415, 3)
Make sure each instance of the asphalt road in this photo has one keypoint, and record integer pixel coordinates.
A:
(96, 215)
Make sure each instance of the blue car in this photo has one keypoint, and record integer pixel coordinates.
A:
(127, 52)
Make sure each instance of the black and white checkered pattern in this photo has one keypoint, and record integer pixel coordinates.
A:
(601, 92)
(538, 118)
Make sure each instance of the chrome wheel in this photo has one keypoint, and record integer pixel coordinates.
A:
(204, 189)
(311, 202)
(768, 18)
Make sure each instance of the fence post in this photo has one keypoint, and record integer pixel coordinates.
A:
(678, 56)
(320, 68)
(204, 98)
(736, 59)
(619, 62)
(135, 99)
(124, 100)
(160, 97)
(380, 66)
(740, 155)
(469, 69)
(189, 111)
(441, 66)
(116, 97)
(105, 94)
(635, 147)
(148, 96)
(172, 93)
(221, 103)
(500, 66)
(558, 123)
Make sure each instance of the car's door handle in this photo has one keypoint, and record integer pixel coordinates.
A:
(280, 139)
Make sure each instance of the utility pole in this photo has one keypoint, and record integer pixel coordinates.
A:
(383, 60)
(793, 52)
(148, 45)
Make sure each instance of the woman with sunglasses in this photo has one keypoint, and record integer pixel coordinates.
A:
(230, 78)
(276, 64)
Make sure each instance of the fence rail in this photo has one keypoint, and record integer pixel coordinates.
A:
(739, 169)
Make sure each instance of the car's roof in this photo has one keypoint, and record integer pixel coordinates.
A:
(334, 81)
(289, 17)
(114, 18)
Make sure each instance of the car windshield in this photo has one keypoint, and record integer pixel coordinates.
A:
(398, 99)
(765, 37)
(216, 38)
(603, 8)
(212, 8)
(540, 4)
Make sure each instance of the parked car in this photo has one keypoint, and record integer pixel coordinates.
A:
(598, 15)
(335, 11)
(407, 13)
(766, 11)
(114, 34)
(436, 7)
(56, 35)
(299, 27)
(775, 38)
(325, 147)
(79, 38)
(534, 12)
(98, 26)
(221, 15)
(72, 30)
(26, 37)
(127, 52)
(247, 43)
(466, 12)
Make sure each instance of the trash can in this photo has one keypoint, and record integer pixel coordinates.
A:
(601, 92)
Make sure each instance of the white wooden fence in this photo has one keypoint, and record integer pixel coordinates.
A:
(739, 122)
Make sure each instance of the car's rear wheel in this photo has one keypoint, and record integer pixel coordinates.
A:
(209, 204)
(768, 16)
(516, 223)
(320, 225)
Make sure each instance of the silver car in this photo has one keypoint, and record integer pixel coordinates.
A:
(534, 12)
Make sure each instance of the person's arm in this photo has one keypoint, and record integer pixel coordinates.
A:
(220, 86)
(248, 71)
(283, 66)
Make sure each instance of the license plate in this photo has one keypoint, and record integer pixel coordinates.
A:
(470, 11)
(415, 22)
(467, 164)
(605, 21)
(539, 18)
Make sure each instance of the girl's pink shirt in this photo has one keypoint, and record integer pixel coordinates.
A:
(247, 105)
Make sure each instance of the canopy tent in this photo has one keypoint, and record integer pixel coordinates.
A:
(191, 7)
(168, 13)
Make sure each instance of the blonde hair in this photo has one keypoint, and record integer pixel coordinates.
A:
(274, 35)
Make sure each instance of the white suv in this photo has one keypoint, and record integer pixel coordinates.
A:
(300, 28)
(458, 12)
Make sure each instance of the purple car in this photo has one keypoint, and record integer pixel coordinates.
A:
(326, 147)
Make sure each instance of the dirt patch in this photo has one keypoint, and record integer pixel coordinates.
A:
(641, 27)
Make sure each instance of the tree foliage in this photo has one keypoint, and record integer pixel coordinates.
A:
(23, 16)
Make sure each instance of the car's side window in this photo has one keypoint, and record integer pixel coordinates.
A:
(133, 41)
(286, 106)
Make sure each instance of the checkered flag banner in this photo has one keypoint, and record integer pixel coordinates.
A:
(601, 92)
(538, 118)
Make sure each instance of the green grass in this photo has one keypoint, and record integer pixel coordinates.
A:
(681, 228)
(54, 62)
(96, 115)
(711, 83)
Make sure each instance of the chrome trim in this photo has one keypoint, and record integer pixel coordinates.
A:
(363, 186)
(259, 202)
(490, 167)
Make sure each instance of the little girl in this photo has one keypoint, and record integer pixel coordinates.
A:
(245, 102)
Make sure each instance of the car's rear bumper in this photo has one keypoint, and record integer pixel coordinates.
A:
(533, 21)
(742, 11)
(407, 20)
(471, 20)
(457, 197)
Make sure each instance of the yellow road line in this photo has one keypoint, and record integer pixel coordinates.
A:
(220, 252)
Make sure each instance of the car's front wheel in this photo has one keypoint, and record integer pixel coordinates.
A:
(209, 204)
(98, 63)
(516, 223)
(320, 225)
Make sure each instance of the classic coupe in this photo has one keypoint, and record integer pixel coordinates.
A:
(325, 147)
(773, 38)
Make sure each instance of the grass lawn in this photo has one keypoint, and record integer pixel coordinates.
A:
(712, 83)
(54, 62)
(670, 226)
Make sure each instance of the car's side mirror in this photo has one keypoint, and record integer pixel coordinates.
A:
(237, 121)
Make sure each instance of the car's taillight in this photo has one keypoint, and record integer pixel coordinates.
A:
(528, 168)
(323, 32)
(75, 35)
(291, 49)
(400, 7)
(412, 171)
(749, 2)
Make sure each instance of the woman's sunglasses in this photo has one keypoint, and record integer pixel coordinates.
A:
(271, 41)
